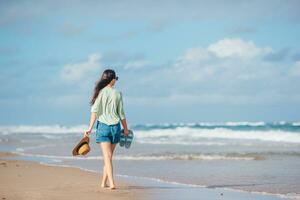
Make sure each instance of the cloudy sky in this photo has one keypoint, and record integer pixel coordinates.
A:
(177, 61)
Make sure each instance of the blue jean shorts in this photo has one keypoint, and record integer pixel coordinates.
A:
(108, 133)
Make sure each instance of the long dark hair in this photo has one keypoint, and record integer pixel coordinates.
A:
(107, 76)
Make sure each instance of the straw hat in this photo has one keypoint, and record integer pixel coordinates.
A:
(82, 148)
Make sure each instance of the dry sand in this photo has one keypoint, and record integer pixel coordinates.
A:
(31, 180)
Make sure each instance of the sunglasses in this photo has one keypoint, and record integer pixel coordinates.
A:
(117, 78)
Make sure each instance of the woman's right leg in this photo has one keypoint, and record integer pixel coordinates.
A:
(104, 173)
(107, 151)
(104, 177)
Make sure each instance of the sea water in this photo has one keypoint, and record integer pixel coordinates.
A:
(248, 156)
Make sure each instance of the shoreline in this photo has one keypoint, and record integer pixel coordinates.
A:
(128, 188)
(157, 180)
(31, 180)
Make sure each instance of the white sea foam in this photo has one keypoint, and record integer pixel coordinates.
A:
(210, 124)
(60, 129)
(52, 129)
(179, 135)
(245, 123)
(231, 123)
(22, 149)
(149, 157)
(296, 123)
(178, 142)
(186, 134)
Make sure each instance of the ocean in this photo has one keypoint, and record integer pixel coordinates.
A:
(257, 157)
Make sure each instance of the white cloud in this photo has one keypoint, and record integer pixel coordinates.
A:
(78, 71)
(195, 54)
(193, 65)
(295, 70)
(217, 98)
(212, 63)
(237, 48)
(199, 76)
(137, 64)
(15, 11)
(69, 100)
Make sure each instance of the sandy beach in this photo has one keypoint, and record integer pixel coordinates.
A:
(28, 179)
(31, 180)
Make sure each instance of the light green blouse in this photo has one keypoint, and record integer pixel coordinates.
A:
(109, 106)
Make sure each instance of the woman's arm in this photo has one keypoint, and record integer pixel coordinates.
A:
(122, 115)
(124, 124)
(92, 121)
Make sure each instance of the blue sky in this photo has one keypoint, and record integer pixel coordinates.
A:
(178, 61)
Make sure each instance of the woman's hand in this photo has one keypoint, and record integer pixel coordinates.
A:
(126, 132)
(124, 124)
(87, 132)
(92, 121)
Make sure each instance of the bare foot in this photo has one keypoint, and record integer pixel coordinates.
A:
(112, 187)
(103, 185)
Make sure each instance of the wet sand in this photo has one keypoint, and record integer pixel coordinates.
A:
(22, 179)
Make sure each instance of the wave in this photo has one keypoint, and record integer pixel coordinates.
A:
(205, 124)
(296, 123)
(231, 125)
(50, 129)
(191, 135)
(187, 134)
(60, 129)
(149, 157)
(22, 149)
(177, 136)
(178, 142)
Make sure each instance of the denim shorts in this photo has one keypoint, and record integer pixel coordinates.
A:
(108, 133)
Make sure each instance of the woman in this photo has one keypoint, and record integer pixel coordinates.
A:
(107, 109)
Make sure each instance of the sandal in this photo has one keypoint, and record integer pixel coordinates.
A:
(128, 139)
(122, 138)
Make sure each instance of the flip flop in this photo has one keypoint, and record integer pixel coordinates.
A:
(122, 138)
(128, 139)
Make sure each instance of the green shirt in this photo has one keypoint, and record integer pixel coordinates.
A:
(109, 106)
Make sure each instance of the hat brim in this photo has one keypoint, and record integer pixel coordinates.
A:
(84, 140)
